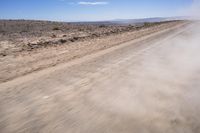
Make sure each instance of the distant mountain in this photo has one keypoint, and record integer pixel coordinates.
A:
(150, 20)
(134, 21)
(109, 22)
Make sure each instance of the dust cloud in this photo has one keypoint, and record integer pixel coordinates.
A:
(169, 77)
(160, 90)
(193, 11)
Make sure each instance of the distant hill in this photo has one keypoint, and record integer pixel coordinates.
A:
(149, 20)
(35, 25)
(134, 21)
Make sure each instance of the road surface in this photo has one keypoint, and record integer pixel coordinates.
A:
(147, 86)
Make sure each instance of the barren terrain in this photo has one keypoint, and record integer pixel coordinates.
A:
(140, 81)
(42, 46)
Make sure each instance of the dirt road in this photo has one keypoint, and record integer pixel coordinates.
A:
(147, 86)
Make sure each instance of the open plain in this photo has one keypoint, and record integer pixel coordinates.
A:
(144, 80)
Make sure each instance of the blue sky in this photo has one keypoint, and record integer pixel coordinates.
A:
(90, 10)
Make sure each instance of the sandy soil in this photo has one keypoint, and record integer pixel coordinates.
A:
(16, 64)
(145, 86)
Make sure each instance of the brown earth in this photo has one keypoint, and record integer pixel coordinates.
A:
(25, 52)
(23, 35)
(146, 85)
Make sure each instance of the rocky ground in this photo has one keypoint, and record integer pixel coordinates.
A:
(23, 35)
(27, 46)
(146, 85)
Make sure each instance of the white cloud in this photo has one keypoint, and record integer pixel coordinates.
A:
(92, 3)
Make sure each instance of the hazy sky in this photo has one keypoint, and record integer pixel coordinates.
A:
(90, 10)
